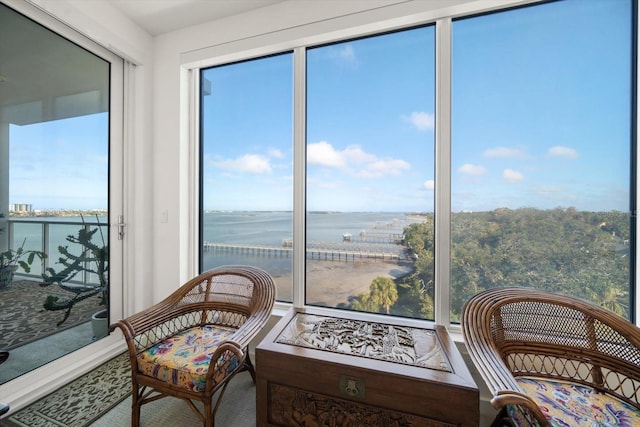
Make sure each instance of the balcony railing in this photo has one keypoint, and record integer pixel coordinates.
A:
(46, 235)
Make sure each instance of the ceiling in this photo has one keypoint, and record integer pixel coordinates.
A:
(163, 16)
(45, 77)
(36, 86)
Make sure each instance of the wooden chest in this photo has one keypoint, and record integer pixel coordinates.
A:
(317, 370)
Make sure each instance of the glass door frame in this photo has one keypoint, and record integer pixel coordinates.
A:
(41, 381)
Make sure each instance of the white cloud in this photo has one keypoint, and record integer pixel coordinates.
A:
(249, 163)
(355, 154)
(512, 176)
(504, 152)
(380, 168)
(345, 54)
(323, 154)
(421, 120)
(563, 152)
(354, 161)
(469, 169)
(275, 153)
(429, 184)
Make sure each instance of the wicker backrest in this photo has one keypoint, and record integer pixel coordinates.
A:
(239, 297)
(553, 336)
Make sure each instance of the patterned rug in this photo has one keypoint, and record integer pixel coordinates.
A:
(81, 402)
(23, 319)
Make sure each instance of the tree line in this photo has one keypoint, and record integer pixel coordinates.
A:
(579, 253)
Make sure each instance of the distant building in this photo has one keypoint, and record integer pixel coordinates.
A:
(21, 207)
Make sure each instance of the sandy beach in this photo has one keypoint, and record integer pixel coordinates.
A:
(331, 283)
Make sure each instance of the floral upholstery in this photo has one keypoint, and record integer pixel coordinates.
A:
(184, 358)
(566, 405)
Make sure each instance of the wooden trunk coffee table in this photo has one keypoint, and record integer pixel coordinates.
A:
(319, 370)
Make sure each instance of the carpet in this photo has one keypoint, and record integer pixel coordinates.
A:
(80, 402)
(237, 409)
(102, 398)
(23, 318)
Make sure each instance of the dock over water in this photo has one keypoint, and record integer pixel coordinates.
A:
(327, 251)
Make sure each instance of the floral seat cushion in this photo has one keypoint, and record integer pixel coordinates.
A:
(184, 358)
(567, 405)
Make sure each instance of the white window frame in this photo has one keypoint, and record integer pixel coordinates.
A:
(357, 26)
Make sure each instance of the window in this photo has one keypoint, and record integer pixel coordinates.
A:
(247, 167)
(532, 186)
(541, 148)
(370, 172)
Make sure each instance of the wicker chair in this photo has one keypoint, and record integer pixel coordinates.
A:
(525, 342)
(191, 344)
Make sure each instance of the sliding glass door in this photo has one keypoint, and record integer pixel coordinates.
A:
(59, 127)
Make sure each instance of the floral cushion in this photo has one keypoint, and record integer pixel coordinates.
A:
(567, 405)
(184, 358)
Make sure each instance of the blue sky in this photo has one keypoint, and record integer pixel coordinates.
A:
(540, 107)
(369, 128)
(60, 164)
(540, 118)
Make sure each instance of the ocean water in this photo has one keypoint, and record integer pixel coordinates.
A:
(270, 228)
(324, 229)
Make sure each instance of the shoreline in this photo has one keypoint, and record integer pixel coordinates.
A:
(340, 280)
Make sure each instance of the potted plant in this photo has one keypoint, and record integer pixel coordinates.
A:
(93, 259)
(11, 259)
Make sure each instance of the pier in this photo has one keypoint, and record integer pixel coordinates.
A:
(317, 250)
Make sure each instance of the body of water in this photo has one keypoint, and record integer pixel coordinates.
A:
(324, 229)
(240, 228)
(271, 228)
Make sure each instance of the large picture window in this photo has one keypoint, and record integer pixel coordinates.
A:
(370, 174)
(247, 167)
(541, 147)
(524, 177)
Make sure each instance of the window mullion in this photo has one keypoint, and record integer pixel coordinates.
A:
(442, 250)
(299, 174)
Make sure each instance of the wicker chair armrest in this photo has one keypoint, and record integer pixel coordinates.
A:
(258, 318)
(231, 345)
(219, 367)
(484, 354)
(124, 327)
(129, 336)
(505, 398)
(248, 330)
(492, 369)
(503, 386)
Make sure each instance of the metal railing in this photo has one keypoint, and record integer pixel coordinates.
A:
(46, 235)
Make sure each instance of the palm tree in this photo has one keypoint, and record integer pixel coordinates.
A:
(383, 292)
